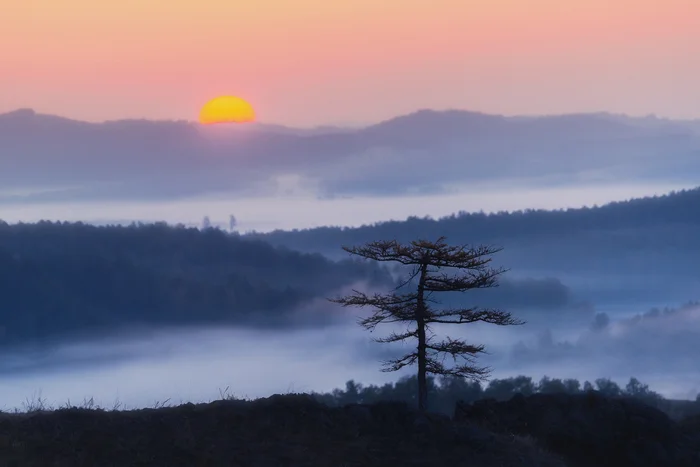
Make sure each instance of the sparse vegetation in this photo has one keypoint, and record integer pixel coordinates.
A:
(290, 430)
(343, 428)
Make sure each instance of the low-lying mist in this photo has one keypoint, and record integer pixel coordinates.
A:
(195, 364)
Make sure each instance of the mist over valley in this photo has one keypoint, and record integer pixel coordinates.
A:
(145, 313)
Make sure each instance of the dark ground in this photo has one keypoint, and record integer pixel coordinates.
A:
(294, 430)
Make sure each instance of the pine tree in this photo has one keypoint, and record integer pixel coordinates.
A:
(428, 260)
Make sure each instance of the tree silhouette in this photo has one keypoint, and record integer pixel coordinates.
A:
(427, 260)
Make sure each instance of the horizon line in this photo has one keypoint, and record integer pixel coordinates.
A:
(648, 116)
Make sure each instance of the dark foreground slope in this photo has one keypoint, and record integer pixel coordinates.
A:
(592, 430)
(278, 431)
(295, 430)
(291, 430)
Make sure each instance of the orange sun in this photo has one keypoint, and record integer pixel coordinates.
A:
(226, 109)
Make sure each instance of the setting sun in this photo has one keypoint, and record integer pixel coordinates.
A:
(226, 109)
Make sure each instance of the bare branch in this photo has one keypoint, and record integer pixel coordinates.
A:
(377, 300)
(371, 322)
(465, 370)
(397, 364)
(472, 315)
(390, 308)
(419, 252)
(393, 337)
(456, 347)
(477, 279)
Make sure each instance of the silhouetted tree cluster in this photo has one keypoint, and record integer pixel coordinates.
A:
(445, 391)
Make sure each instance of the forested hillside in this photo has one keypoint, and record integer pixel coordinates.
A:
(61, 278)
(659, 223)
(634, 253)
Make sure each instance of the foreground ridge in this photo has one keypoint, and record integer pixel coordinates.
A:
(296, 430)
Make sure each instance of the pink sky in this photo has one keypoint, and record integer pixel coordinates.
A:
(310, 62)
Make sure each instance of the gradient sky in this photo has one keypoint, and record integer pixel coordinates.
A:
(309, 62)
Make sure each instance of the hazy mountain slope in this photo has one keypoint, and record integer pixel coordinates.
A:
(678, 210)
(61, 279)
(139, 159)
(645, 249)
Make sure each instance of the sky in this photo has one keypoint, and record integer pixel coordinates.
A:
(314, 62)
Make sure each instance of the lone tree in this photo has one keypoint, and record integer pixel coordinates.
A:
(427, 261)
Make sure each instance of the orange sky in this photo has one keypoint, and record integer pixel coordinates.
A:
(308, 62)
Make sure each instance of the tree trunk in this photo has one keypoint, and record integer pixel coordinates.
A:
(420, 321)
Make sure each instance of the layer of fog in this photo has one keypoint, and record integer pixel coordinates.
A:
(295, 207)
(196, 364)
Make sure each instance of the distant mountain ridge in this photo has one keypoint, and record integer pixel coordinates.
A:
(142, 159)
(418, 117)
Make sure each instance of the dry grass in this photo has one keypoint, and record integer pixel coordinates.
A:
(284, 430)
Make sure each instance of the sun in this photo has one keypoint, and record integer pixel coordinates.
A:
(226, 109)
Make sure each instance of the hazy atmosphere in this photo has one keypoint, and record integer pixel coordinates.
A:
(148, 255)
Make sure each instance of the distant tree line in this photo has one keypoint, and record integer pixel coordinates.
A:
(445, 391)
(618, 231)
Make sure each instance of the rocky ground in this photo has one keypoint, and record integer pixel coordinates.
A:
(294, 430)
